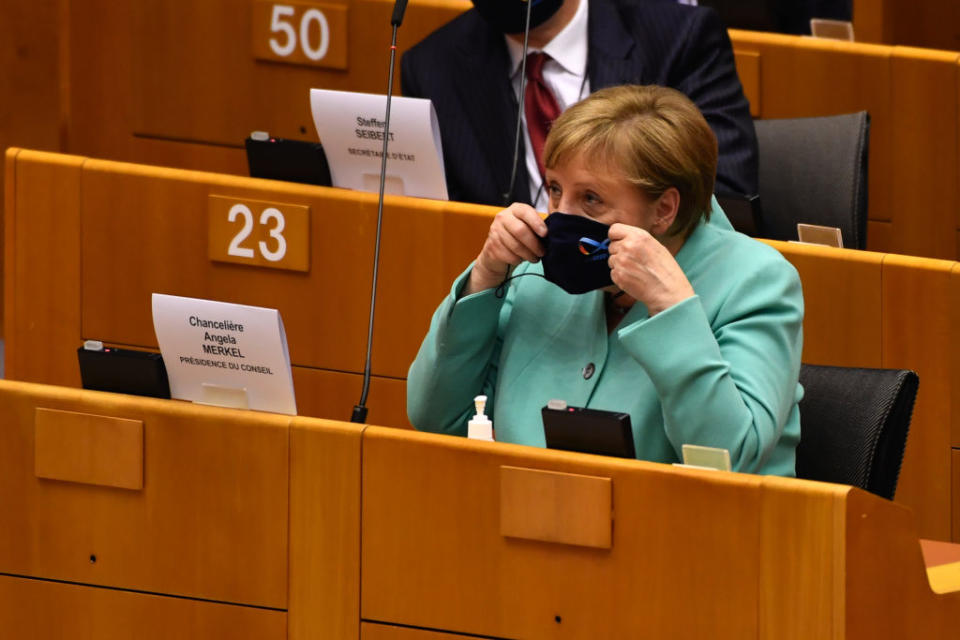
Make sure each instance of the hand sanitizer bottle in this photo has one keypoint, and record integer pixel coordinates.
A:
(480, 427)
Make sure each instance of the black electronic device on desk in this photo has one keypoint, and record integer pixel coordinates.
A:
(290, 160)
(140, 373)
(607, 433)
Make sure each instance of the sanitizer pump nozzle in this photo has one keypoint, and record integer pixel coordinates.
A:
(480, 427)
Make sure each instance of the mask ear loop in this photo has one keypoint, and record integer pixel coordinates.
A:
(501, 289)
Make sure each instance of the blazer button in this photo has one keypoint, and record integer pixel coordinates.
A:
(588, 371)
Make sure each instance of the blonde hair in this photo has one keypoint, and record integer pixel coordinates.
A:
(655, 135)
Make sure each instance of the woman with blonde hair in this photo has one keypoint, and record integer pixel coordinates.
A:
(648, 302)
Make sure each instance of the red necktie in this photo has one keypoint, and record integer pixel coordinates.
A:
(540, 106)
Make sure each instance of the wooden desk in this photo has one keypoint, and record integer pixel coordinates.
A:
(692, 554)
(254, 525)
(244, 524)
(79, 267)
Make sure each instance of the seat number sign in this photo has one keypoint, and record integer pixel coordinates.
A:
(258, 233)
(299, 33)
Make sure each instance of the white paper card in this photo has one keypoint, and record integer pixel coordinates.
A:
(350, 126)
(220, 345)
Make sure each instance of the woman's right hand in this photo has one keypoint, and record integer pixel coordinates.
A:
(514, 237)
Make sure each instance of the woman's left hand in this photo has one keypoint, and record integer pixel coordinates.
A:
(645, 269)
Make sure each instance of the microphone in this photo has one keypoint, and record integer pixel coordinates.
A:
(398, 8)
(359, 414)
(520, 102)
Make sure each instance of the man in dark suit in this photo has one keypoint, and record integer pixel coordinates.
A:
(465, 69)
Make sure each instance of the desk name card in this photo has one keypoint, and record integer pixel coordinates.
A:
(351, 128)
(227, 350)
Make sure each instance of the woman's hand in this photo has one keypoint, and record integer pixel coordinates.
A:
(514, 237)
(645, 269)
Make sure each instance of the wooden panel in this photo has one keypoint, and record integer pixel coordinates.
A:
(9, 216)
(924, 94)
(802, 598)
(43, 268)
(871, 22)
(803, 77)
(210, 522)
(952, 348)
(88, 448)
(879, 237)
(842, 300)
(748, 68)
(928, 23)
(425, 246)
(955, 493)
(563, 508)
(917, 331)
(185, 73)
(936, 553)
(29, 79)
(332, 395)
(40, 610)
(29, 82)
(432, 555)
(324, 313)
(372, 631)
(890, 598)
(324, 529)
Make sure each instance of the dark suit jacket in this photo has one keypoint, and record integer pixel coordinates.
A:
(463, 67)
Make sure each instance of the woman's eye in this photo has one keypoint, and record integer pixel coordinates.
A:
(591, 198)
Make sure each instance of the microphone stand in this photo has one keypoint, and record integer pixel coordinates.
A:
(359, 414)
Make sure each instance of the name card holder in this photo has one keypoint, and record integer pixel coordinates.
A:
(215, 395)
(818, 234)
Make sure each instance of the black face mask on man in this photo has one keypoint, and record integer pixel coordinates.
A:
(510, 16)
(576, 253)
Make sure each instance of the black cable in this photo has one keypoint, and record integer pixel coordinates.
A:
(520, 102)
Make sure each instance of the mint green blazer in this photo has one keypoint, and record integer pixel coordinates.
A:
(719, 369)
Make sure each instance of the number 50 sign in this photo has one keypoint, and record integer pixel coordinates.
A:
(313, 34)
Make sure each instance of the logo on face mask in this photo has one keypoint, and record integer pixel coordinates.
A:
(595, 250)
(576, 253)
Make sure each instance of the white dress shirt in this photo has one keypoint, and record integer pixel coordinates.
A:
(566, 76)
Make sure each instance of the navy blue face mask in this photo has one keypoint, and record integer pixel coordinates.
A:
(510, 16)
(577, 249)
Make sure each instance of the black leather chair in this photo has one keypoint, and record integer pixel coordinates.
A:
(814, 170)
(854, 425)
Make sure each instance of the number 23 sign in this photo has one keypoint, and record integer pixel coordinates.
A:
(258, 233)
(312, 34)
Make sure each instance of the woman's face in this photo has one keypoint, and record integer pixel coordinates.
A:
(598, 192)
